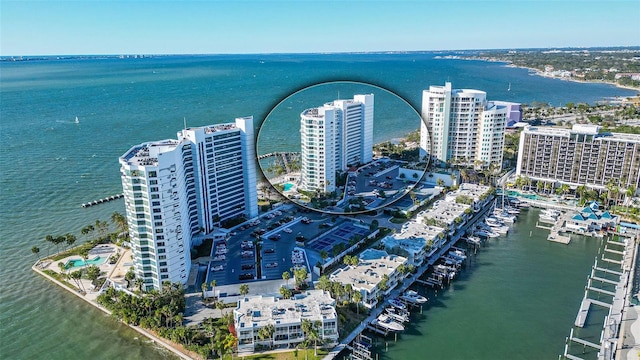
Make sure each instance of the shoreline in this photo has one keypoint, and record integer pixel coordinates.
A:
(540, 73)
(155, 339)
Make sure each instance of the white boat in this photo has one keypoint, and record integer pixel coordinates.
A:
(413, 297)
(386, 322)
(503, 216)
(485, 233)
(77, 121)
(550, 213)
(547, 219)
(397, 315)
(459, 253)
(398, 304)
(474, 240)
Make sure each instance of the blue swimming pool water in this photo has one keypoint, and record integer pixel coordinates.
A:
(288, 186)
(74, 263)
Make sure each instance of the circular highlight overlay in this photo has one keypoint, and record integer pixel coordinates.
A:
(344, 147)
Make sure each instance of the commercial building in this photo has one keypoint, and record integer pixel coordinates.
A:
(582, 155)
(461, 126)
(286, 316)
(334, 136)
(175, 189)
(374, 277)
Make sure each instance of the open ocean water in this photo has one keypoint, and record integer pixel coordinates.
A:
(49, 165)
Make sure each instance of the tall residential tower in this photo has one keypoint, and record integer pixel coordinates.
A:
(462, 126)
(175, 189)
(334, 136)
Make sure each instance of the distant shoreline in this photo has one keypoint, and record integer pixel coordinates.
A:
(541, 74)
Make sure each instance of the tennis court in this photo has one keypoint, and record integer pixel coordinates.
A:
(341, 234)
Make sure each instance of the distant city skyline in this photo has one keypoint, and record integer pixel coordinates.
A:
(240, 27)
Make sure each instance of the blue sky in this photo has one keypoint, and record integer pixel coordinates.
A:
(219, 27)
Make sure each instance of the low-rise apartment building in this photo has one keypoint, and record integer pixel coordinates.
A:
(286, 316)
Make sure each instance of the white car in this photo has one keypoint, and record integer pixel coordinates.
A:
(217, 268)
(271, 265)
(287, 230)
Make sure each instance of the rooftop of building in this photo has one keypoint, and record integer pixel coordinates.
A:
(261, 310)
(586, 129)
(444, 211)
(147, 154)
(373, 265)
(467, 189)
(413, 236)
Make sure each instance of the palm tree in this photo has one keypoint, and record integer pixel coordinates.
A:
(36, 251)
(357, 297)
(266, 332)
(120, 221)
(204, 289)
(285, 292)
(213, 287)
(244, 289)
(70, 239)
(286, 276)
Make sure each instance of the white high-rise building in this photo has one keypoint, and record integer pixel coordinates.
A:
(460, 125)
(334, 136)
(175, 189)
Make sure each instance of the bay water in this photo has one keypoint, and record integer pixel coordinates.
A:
(49, 165)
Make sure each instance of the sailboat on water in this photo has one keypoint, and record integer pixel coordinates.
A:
(509, 89)
(77, 121)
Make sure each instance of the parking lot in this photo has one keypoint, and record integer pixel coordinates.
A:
(377, 184)
(340, 234)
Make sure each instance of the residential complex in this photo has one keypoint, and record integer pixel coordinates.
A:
(175, 189)
(333, 137)
(461, 126)
(374, 277)
(582, 155)
(286, 316)
(420, 238)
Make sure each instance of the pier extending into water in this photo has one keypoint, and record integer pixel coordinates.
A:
(102, 201)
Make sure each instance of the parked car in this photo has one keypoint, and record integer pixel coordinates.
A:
(274, 237)
(246, 254)
(245, 276)
(217, 268)
(248, 266)
(269, 251)
(271, 265)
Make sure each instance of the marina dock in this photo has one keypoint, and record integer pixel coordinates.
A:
(414, 278)
(610, 336)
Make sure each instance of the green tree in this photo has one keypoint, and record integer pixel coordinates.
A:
(244, 289)
(266, 332)
(213, 284)
(120, 221)
(300, 276)
(70, 239)
(285, 292)
(36, 251)
(286, 276)
(204, 287)
(357, 298)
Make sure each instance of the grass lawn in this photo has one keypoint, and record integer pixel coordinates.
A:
(290, 355)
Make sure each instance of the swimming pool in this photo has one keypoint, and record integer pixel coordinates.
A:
(288, 186)
(75, 263)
